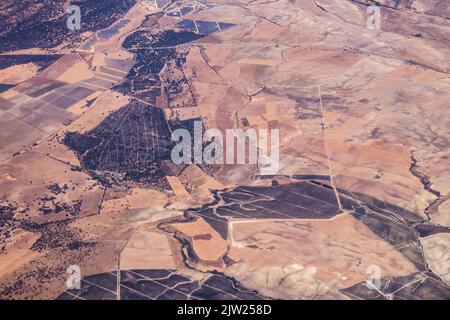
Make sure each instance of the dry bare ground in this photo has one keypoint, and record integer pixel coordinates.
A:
(364, 151)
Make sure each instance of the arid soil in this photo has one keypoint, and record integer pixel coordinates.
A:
(87, 178)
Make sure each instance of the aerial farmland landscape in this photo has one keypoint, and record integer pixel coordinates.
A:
(225, 150)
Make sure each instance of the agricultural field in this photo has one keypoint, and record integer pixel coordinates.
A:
(353, 106)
